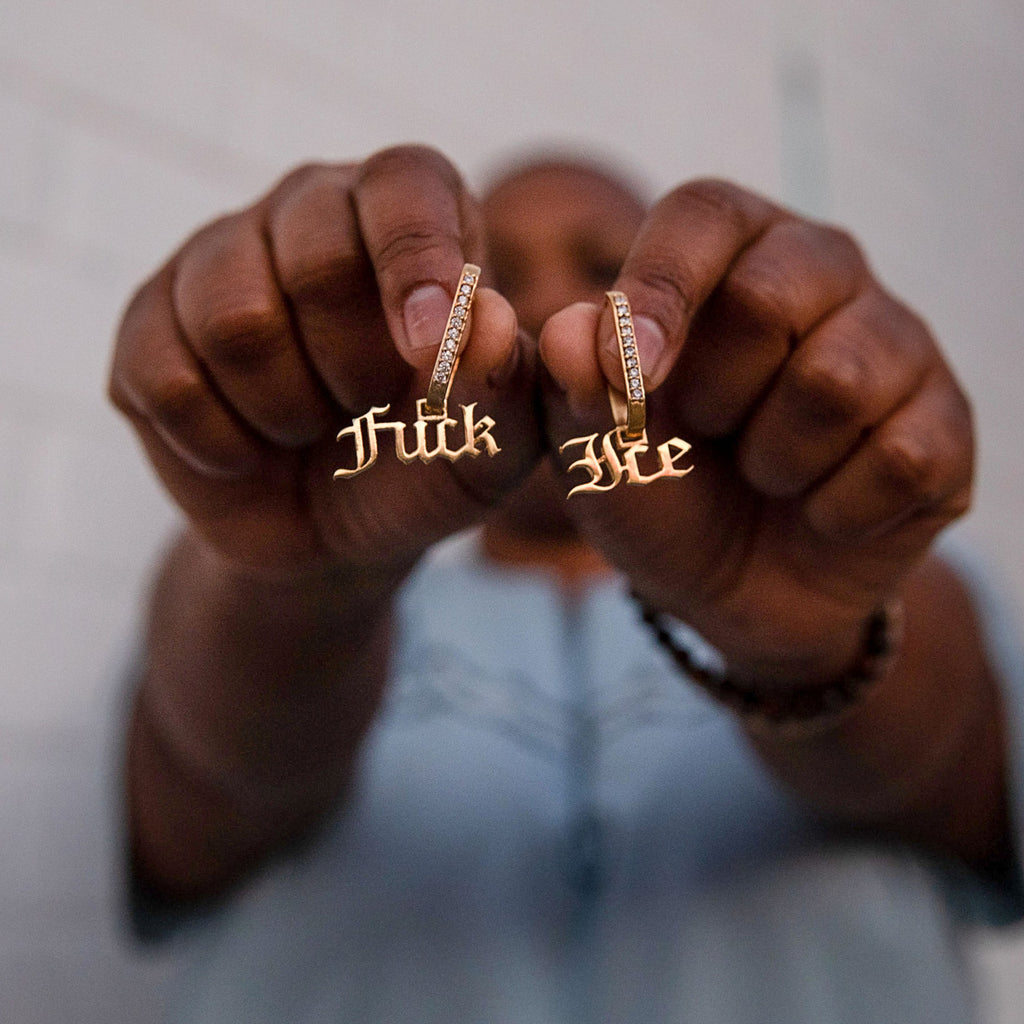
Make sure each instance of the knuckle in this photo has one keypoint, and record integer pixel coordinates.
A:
(321, 189)
(760, 289)
(314, 236)
(416, 244)
(839, 243)
(141, 307)
(119, 394)
(962, 416)
(829, 390)
(719, 201)
(314, 272)
(931, 458)
(716, 194)
(954, 426)
(304, 176)
(147, 311)
(878, 318)
(959, 503)
(672, 292)
(243, 335)
(214, 236)
(409, 203)
(820, 257)
(957, 441)
(176, 400)
(405, 160)
(907, 465)
(310, 274)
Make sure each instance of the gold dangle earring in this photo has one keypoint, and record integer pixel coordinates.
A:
(622, 446)
(430, 431)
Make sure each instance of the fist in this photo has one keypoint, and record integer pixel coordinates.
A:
(273, 328)
(830, 440)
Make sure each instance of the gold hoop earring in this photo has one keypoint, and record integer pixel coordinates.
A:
(430, 430)
(623, 446)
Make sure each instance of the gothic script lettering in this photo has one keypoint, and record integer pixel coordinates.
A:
(430, 438)
(620, 459)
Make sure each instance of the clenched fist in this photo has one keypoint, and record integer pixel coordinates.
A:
(830, 440)
(272, 328)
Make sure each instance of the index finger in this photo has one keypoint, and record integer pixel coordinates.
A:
(419, 227)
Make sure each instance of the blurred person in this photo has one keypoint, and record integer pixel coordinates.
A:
(401, 747)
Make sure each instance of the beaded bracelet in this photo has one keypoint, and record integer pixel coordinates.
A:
(806, 705)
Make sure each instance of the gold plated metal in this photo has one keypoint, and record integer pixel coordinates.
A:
(455, 333)
(623, 446)
(620, 460)
(630, 412)
(430, 439)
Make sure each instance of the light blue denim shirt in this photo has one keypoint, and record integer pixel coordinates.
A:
(550, 825)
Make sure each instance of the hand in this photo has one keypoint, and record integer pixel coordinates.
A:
(272, 328)
(830, 441)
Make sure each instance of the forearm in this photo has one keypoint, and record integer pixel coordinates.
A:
(922, 755)
(254, 697)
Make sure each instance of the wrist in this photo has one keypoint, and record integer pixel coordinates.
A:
(811, 696)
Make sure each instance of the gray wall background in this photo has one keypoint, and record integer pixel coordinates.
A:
(125, 124)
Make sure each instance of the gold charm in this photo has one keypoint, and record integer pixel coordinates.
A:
(623, 446)
(365, 428)
(430, 431)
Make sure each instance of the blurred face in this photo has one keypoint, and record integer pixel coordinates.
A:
(558, 234)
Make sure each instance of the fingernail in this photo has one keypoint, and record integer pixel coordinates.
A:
(426, 315)
(650, 344)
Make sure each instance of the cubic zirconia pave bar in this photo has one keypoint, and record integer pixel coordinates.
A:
(455, 333)
(633, 418)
